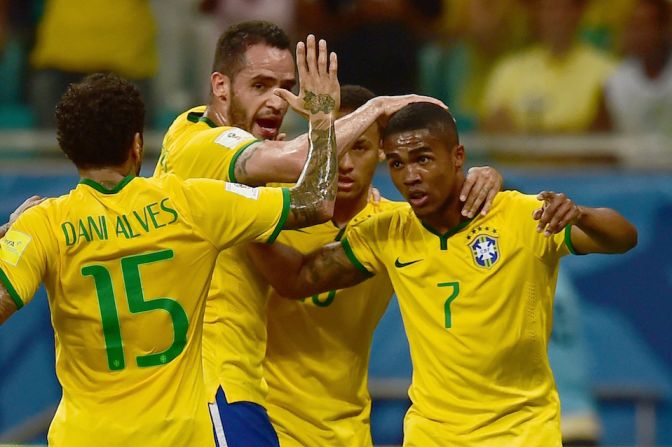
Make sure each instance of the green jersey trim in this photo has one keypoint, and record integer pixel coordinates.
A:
(194, 117)
(286, 204)
(351, 256)
(443, 238)
(568, 240)
(100, 188)
(10, 288)
(234, 159)
(208, 121)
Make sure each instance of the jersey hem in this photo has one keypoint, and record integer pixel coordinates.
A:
(234, 159)
(286, 203)
(11, 290)
(351, 256)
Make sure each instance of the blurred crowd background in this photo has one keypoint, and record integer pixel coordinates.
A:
(503, 66)
(571, 95)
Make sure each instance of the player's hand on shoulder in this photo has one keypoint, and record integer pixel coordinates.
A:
(481, 185)
(389, 105)
(28, 203)
(556, 212)
(319, 90)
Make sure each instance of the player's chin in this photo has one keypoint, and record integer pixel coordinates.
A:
(348, 192)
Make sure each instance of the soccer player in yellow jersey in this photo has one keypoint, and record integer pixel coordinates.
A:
(112, 254)
(233, 139)
(475, 294)
(327, 337)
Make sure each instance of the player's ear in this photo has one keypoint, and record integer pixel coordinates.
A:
(137, 149)
(459, 156)
(221, 85)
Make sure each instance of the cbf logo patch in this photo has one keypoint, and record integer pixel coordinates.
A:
(484, 249)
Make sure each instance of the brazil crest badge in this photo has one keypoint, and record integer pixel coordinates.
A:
(485, 250)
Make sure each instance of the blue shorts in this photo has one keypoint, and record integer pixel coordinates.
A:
(241, 424)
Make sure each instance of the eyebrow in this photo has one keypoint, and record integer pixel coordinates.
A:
(421, 149)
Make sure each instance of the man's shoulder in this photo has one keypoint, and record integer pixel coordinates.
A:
(372, 209)
(390, 218)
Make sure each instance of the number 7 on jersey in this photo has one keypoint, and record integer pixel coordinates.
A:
(455, 286)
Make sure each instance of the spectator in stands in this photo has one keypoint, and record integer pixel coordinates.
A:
(604, 22)
(393, 27)
(639, 94)
(76, 38)
(455, 68)
(553, 87)
(228, 12)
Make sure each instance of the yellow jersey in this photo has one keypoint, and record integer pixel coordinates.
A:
(317, 353)
(127, 324)
(234, 335)
(97, 35)
(477, 307)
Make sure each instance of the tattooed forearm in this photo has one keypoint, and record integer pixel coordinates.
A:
(318, 103)
(329, 268)
(316, 188)
(240, 169)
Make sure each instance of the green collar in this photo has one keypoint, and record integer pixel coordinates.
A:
(208, 121)
(100, 188)
(443, 238)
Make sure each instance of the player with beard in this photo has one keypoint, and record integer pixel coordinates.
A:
(232, 138)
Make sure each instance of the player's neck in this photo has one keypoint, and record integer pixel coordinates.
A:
(216, 113)
(447, 216)
(109, 177)
(346, 209)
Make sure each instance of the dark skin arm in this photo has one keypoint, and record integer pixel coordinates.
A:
(295, 275)
(594, 230)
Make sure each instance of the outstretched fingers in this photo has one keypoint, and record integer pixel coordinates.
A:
(333, 67)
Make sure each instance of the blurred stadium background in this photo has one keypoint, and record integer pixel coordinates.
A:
(433, 47)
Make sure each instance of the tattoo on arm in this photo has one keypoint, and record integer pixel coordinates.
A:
(330, 268)
(241, 169)
(318, 103)
(317, 184)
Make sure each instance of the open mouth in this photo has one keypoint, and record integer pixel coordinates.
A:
(417, 199)
(268, 128)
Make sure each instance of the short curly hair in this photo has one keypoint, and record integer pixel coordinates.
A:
(234, 42)
(97, 118)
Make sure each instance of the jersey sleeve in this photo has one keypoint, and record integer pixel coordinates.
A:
(24, 254)
(546, 248)
(230, 214)
(360, 245)
(222, 147)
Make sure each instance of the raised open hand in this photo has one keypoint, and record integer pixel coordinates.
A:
(319, 90)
